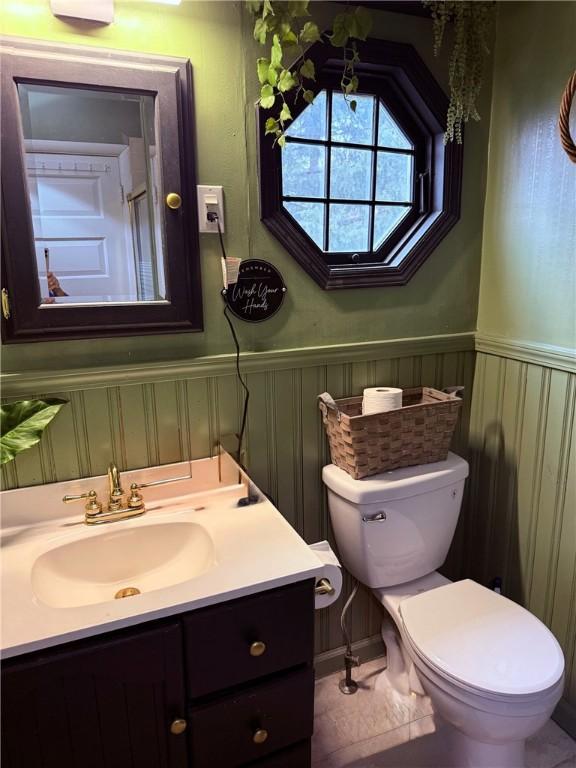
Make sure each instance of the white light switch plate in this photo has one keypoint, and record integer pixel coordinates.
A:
(206, 196)
(95, 10)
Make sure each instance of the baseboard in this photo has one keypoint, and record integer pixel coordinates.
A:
(333, 661)
(565, 716)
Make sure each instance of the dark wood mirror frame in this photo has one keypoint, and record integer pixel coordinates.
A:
(169, 80)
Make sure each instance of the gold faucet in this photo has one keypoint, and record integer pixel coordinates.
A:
(117, 509)
(93, 512)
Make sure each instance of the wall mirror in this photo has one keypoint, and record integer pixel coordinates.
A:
(99, 220)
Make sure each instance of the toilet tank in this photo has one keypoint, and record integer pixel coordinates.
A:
(397, 526)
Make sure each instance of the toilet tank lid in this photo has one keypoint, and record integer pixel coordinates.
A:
(398, 483)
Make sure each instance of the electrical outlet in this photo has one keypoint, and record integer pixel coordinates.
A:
(210, 199)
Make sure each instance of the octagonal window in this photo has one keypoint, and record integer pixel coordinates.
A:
(361, 196)
(348, 176)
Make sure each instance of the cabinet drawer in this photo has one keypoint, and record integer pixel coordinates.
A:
(245, 639)
(226, 732)
(297, 756)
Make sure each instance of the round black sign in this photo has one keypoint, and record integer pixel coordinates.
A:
(259, 292)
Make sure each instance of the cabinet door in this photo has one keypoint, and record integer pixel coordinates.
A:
(108, 703)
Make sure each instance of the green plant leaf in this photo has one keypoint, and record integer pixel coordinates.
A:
(263, 66)
(281, 140)
(286, 81)
(310, 33)
(276, 53)
(361, 23)
(272, 76)
(340, 30)
(297, 8)
(22, 424)
(285, 113)
(308, 96)
(268, 10)
(288, 35)
(307, 69)
(267, 97)
(351, 86)
(271, 125)
(260, 31)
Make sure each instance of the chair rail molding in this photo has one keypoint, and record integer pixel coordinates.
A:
(30, 382)
(547, 355)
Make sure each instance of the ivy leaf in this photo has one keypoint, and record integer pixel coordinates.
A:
(276, 53)
(268, 10)
(351, 86)
(308, 96)
(353, 105)
(281, 141)
(285, 114)
(310, 33)
(298, 8)
(307, 69)
(271, 125)
(260, 31)
(340, 30)
(267, 97)
(22, 424)
(263, 66)
(288, 36)
(361, 23)
(286, 81)
(272, 76)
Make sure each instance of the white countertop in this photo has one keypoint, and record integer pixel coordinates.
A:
(255, 549)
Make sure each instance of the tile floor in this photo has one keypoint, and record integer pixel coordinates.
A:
(382, 729)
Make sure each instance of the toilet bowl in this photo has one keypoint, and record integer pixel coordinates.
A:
(492, 670)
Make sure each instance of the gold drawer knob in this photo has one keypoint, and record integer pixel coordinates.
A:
(173, 200)
(257, 648)
(260, 736)
(178, 727)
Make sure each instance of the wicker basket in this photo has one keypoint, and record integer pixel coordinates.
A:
(418, 433)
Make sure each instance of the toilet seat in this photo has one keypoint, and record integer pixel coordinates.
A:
(481, 641)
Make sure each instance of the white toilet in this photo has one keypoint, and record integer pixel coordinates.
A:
(492, 670)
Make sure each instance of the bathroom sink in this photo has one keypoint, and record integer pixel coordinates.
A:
(122, 563)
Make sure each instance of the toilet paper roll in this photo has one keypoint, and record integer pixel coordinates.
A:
(331, 570)
(381, 399)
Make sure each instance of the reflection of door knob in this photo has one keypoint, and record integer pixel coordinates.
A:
(173, 200)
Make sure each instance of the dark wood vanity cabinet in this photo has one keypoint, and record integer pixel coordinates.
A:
(239, 675)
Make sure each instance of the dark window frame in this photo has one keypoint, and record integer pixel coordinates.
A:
(394, 73)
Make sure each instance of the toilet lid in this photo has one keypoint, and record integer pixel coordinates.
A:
(481, 639)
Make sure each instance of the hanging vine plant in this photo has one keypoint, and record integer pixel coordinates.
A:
(468, 57)
(287, 27)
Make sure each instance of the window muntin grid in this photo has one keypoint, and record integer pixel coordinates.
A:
(348, 178)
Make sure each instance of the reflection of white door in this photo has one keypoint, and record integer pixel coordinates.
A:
(79, 214)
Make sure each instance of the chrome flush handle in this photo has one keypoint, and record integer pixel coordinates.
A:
(379, 517)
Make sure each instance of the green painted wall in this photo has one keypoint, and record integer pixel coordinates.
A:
(521, 520)
(216, 36)
(528, 285)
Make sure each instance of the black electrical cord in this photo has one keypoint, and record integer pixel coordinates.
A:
(213, 216)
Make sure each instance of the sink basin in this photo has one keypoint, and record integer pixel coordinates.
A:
(122, 563)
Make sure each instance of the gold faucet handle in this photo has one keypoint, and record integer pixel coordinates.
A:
(135, 500)
(136, 486)
(93, 506)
